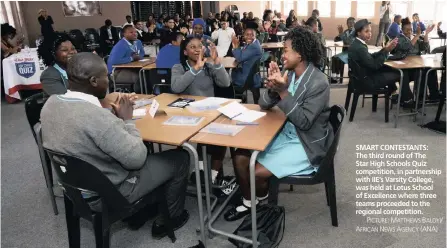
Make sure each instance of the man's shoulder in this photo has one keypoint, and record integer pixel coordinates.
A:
(50, 72)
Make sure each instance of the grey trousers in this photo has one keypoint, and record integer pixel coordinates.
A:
(170, 167)
(128, 77)
(383, 29)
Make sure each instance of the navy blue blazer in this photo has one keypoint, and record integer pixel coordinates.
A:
(246, 57)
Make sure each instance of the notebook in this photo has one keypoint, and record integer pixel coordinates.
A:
(238, 112)
(183, 121)
(180, 103)
(222, 129)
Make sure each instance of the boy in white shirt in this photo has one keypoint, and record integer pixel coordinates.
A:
(224, 36)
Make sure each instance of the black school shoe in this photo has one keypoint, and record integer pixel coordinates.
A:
(137, 220)
(192, 178)
(160, 231)
(233, 214)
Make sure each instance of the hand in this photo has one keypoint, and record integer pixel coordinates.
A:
(340, 29)
(429, 29)
(216, 25)
(132, 97)
(267, 25)
(123, 107)
(276, 81)
(235, 41)
(135, 57)
(200, 62)
(391, 45)
(418, 30)
(213, 52)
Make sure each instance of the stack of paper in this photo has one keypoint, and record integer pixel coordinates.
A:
(210, 103)
(141, 103)
(222, 129)
(183, 121)
(238, 112)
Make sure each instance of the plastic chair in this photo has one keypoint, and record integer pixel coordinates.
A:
(325, 173)
(33, 107)
(159, 81)
(80, 178)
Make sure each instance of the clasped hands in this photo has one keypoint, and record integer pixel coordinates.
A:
(276, 81)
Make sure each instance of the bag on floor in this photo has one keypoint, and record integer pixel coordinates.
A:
(270, 222)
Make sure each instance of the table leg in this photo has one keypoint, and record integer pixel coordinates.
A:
(207, 181)
(254, 230)
(145, 83)
(141, 81)
(193, 153)
(417, 95)
(425, 93)
(396, 117)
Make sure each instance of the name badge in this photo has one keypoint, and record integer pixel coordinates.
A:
(154, 108)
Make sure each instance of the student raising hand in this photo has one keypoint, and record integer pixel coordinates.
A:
(340, 29)
(214, 54)
(276, 81)
(123, 107)
(235, 41)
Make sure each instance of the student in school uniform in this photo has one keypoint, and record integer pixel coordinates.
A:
(416, 22)
(194, 76)
(246, 56)
(414, 45)
(199, 27)
(339, 60)
(303, 95)
(128, 49)
(372, 69)
(395, 28)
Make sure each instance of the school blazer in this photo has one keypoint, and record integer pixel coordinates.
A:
(53, 83)
(309, 111)
(246, 58)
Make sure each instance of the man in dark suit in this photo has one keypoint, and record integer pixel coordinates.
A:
(108, 37)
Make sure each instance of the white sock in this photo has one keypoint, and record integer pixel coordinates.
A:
(213, 175)
(263, 198)
(245, 202)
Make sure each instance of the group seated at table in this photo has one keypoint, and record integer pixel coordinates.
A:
(110, 141)
(127, 50)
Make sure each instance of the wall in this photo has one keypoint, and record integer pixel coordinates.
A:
(115, 11)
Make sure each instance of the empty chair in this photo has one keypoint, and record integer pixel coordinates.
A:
(325, 173)
(159, 81)
(80, 179)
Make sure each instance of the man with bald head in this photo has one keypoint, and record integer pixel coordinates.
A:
(76, 124)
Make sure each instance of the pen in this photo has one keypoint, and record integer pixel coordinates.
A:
(247, 123)
(235, 116)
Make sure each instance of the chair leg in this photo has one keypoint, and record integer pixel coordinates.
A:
(73, 226)
(167, 217)
(273, 190)
(387, 107)
(102, 237)
(375, 99)
(160, 149)
(291, 187)
(363, 101)
(440, 107)
(327, 193)
(348, 97)
(354, 106)
(333, 202)
(48, 174)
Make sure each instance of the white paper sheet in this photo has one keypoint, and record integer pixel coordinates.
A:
(232, 110)
(139, 113)
(183, 121)
(222, 129)
(399, 62)
(249, 116)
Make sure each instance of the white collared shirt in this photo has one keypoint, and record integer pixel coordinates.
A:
(225, 39)
(361, 40)
(127, 23)
(86, 97)
(109, 32)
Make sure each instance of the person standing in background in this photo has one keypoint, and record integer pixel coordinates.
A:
(46, 23)
(316, 15)
(385, 20)
(128, 21)
(291, 18)
(224, 36)
(108, 36)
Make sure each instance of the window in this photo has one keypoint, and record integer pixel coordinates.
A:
(288, 6)
(276, 5)
(302, 8)
(324, 7)
(365, 8)
(440, 11)
(343, 8)
(425, 10)
(399, 8)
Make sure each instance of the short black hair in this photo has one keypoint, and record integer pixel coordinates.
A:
(406, 21)
(47, 49)
(350, 19)
(174, 35)
(316, 11)
(136, 21)
(83, 66)
(415, 14)
(128, 16)
(307, 44)
(108, 22)
(125, 28)
(7, 29)
(167, 19)
(311, 21)
(397, 17)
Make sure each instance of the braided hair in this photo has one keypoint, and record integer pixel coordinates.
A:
(47, 49)
(307, 44)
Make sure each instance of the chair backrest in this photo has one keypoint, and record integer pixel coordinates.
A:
(119, 31)
(336, 119)
(356, 74)
(78, 177)
(159, 80)
(250, 78)
(33, 107)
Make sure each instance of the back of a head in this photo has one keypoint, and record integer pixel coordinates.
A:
(83, 66)
(311, 21)
(397, 17)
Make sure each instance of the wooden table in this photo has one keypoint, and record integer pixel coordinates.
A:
(410, 62)
(153, 130)
(272, 45)
(136, 65)
(110, 98)
(254, 138)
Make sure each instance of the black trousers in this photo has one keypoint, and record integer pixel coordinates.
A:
(432, 82)
(388, 77)
(128, 77)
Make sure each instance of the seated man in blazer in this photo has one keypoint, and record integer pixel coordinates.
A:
(127, 50)
(371, 70)
(108, 37)
(246, 57)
